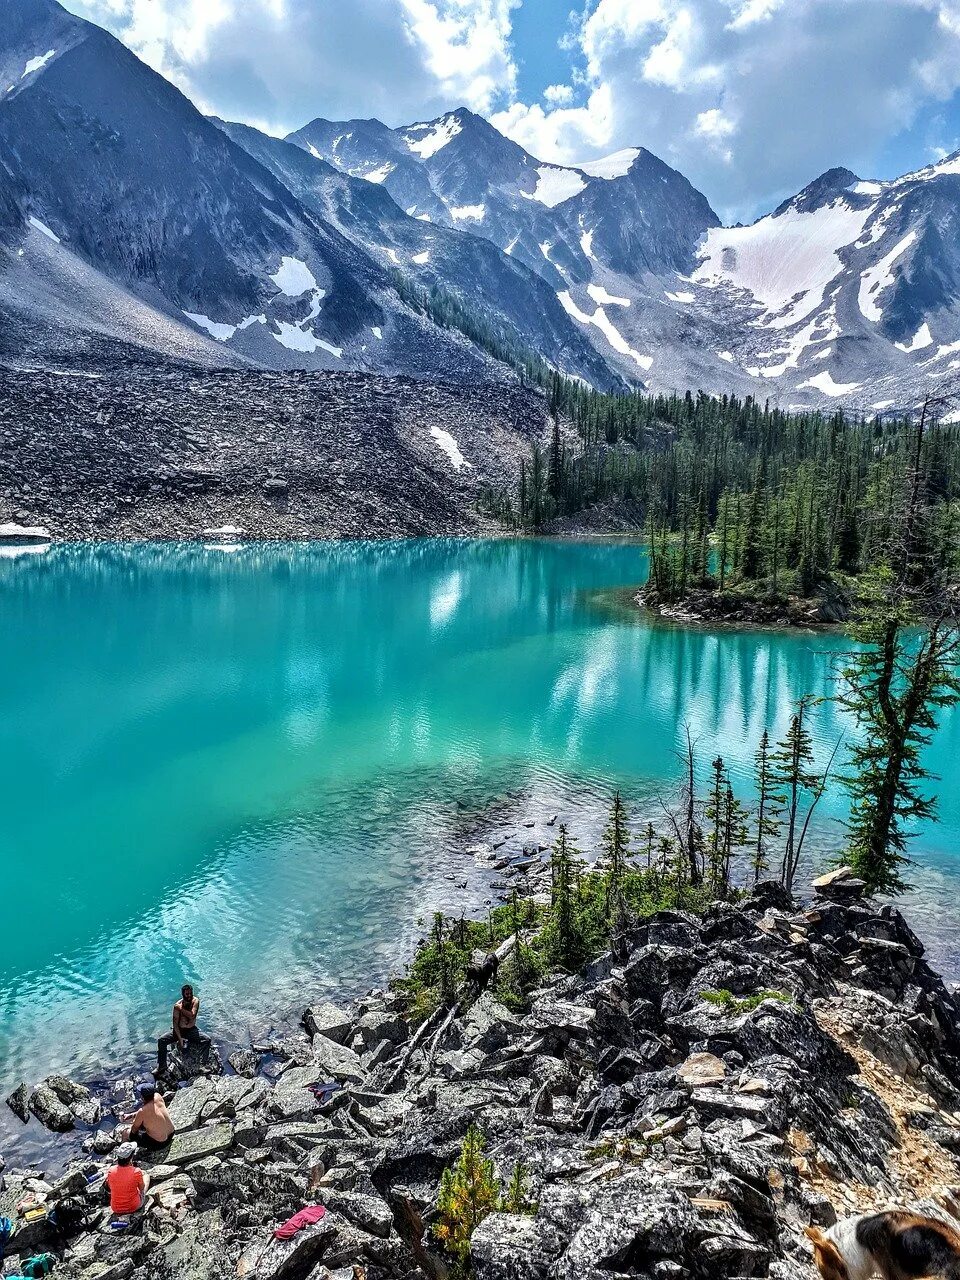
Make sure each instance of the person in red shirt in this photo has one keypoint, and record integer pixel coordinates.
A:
(128, 1186)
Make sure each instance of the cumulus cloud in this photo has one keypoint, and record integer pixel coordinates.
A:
(279, 63)
(751, 99)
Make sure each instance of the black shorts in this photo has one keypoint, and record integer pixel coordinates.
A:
(144, 1141)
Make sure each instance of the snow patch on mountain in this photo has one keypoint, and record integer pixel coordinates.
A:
(450, 447)
(222, 332)
(36, 63)
(428, 139)
(606, 326)
(295, 338)
(381, 174)
(613, 166)
(681, 297)
(824, 382)
(421, 258)
(586, 244)
(42, 227)
(939, 169)
(785, 260)
(599, 294)
(554, 185)
(468, 212)
(921, 339)
(876, 279)
(294, 277)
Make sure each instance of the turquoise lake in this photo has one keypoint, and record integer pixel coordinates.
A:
(259, 770)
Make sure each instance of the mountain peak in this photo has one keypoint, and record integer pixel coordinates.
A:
(821, 191)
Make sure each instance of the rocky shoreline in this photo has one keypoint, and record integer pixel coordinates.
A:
(709, 607)
(682, 1109)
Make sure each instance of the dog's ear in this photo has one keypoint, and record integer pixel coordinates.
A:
(815, 1234)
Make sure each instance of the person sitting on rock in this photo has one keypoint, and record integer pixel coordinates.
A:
(127, 1185)
(185, 1030)
(151, 1127)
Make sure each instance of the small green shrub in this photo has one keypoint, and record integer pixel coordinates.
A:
(735, 1005)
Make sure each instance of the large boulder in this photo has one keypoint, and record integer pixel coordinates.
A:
(19, 1102)
(489, 1025)
(188, 1102)
(50, 1110)
(269, 1259)
(199, 1143)
(335, 1061)
(326, 1019)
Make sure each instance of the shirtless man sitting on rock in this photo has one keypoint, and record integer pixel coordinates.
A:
(184, 1031)
(151, 1126)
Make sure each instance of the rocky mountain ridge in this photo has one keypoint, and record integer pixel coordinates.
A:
(684, 1108)
(849, 292)
(129, 215)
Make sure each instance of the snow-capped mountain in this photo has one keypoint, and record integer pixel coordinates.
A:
(126, 213)
(851, 289)
(628, 215)
(849, 292)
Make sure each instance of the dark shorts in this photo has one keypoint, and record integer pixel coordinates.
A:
(146, 1143)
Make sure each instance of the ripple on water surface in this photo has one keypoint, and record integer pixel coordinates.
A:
(260, 771)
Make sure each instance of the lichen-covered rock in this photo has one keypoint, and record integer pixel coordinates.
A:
(198, 1143)
(19, 1102)
(663, 1134)
(50, 1110)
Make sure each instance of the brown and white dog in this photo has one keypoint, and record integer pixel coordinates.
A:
(895, 1245)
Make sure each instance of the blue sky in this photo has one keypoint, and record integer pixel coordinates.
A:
(750, 99)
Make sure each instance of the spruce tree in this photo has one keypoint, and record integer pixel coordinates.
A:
(769, 806)
(616, 844)
(564, 933)
(715, 835)
(793, 770)
(894, 686)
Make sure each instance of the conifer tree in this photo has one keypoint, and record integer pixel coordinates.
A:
(793, 770)
(715, 836)
(469, 1192)
(565, 931)
(734, 831)
(769, 806)
(894, 686)
(616, 844)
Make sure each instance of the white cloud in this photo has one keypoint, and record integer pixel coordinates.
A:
(750, 99)
(279, 63)
(751, 11)
(467, 47)
(558, 95)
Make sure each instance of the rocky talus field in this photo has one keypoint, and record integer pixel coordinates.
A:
(684, 1109)
(164, 453)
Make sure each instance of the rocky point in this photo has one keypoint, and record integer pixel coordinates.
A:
(684, 1108)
